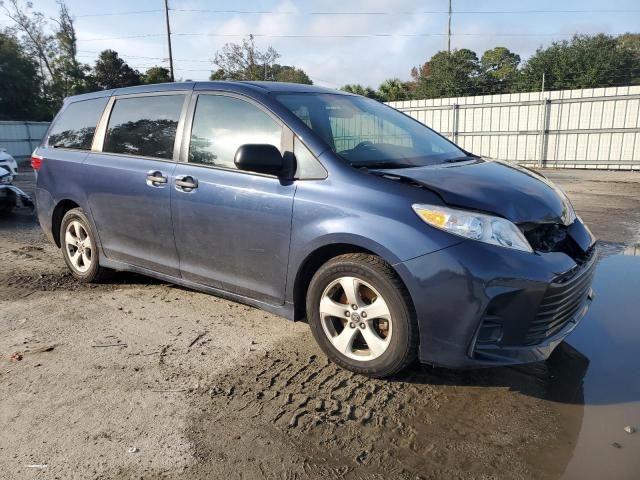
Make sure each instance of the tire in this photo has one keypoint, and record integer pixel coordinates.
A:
(344, 336)
(85, 265)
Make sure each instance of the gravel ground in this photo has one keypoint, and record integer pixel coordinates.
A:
(139, 379)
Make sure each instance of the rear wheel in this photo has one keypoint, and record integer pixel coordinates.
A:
(79, 247)
(361, 315)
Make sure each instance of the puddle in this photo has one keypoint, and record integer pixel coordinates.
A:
(632, 250)
(609, 337)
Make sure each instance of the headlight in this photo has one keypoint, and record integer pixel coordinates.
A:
(7, 179)
(569, 215)
(475, 226)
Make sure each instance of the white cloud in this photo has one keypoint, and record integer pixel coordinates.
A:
(329, 61)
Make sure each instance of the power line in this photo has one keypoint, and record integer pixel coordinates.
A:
(346, 35)
(422, 12)
(81, 53)
(115, 14)
(367, 35)
(126, 37)
(363, 13)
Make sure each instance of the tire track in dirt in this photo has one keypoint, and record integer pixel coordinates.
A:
(302, 413)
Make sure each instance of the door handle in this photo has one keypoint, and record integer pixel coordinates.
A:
(186, 183)
(156, 179)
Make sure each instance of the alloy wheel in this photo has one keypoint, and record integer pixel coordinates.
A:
(78, 246)
(355, 318)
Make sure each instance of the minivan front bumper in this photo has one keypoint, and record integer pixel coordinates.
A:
(479, 305)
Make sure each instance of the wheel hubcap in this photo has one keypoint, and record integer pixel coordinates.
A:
(78, 246)
(355, 318)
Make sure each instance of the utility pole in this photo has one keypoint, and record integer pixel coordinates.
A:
(166, 16)
(449, 35)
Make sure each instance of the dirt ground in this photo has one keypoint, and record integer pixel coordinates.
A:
(139, 379)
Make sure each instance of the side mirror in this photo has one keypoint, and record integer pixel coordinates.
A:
(261, 158)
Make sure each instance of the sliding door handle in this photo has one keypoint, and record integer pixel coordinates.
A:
(156, 179)
(186, 183)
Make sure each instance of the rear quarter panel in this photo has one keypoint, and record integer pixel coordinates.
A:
(60, 178)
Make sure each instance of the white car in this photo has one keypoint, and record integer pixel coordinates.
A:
(8, 162)
(10, 195)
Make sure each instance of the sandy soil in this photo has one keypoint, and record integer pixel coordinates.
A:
(138, 379)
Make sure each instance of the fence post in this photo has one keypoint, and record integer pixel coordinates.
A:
(544, 131)
(454, 122)
(28, 127)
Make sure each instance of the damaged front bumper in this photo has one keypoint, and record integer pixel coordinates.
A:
(11, 197)
(479, 305)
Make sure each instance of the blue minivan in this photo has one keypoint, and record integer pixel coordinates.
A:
(394, 243)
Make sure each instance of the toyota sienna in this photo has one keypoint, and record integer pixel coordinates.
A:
(394, 243)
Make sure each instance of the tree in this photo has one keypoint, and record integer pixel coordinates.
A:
(499, 69)
(393, 90)
(69, 75)
(217, 75)
(157, 75)
(586, 61)
(360, 90)
(32, 25)
(448, 74)
(110, 71)
(631, 43)
(286, 73)
(244, 61)
(19, 82)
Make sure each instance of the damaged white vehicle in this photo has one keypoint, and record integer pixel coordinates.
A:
(10, 195)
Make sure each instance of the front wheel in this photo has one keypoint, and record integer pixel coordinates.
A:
(361, 315)
(79, 247)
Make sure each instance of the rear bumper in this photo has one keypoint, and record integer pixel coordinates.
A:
(479, 305)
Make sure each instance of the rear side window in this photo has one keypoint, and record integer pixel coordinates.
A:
(144, 126)
(76, 125)
(222, 124)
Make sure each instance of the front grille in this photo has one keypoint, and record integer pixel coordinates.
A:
(561, 302)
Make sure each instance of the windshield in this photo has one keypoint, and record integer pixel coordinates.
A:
(370, 134)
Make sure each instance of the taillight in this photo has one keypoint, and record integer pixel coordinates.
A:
(36, 161)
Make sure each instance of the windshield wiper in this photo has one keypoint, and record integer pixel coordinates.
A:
(368, 165)
(460, 159)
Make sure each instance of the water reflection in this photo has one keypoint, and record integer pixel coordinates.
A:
(632, 250)
(610, 337)
(591, 383)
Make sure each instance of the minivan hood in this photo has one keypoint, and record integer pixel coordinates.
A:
(512, 192)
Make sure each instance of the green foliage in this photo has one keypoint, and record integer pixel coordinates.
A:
(447, 74)
(69, 76)
(156, 75)
(498, 70)
(19, 82)
(286, 73)
(110, 71)
(583, 62)
(217, 75)
(360, 90)
(393, 90)
(245, 61)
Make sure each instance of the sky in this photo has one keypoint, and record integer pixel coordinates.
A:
(400, 34)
